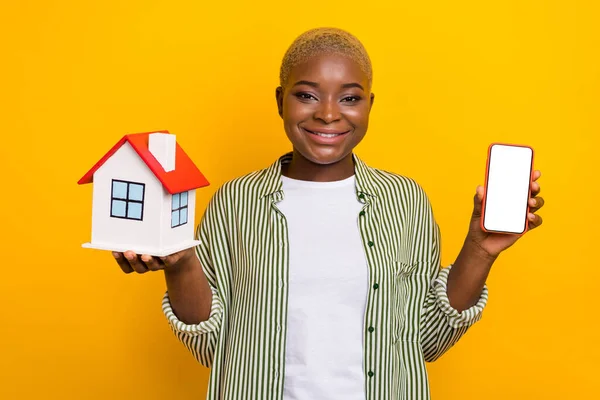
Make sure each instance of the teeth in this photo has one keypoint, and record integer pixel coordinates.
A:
(327, 135)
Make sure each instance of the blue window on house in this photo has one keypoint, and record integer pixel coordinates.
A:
(127, 200)
(179, 209)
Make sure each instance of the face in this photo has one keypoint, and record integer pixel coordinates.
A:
(325, 108)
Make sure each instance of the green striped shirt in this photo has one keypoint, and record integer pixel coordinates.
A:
(244, 254)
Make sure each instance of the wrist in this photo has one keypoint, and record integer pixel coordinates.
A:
(185, 262)
(472, 250)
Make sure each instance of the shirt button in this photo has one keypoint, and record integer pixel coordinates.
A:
(371, 244)
(362, 213)
(371, 374)
(280, 284)
(371, 329)
(376, 286)
(361, 196)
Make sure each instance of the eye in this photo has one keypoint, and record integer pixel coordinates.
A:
(351, 99)
(305, 96)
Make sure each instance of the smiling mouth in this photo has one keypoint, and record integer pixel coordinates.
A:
(326, 134)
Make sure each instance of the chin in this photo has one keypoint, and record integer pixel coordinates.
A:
(325, 157)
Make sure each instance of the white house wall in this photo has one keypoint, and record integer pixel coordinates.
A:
(173, 236)
(126, 165)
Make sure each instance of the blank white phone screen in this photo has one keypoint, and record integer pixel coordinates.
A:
(509, 177)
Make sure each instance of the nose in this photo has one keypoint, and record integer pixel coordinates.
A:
(328, 111)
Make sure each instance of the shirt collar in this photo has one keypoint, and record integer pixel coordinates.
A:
(273, 185)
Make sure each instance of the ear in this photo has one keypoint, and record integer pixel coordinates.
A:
(372, 101)
(279, 98)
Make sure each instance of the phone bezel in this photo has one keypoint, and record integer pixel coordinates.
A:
(487, 171)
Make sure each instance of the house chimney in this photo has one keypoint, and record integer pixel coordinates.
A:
(162, 146)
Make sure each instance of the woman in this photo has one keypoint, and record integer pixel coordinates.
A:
(319, 277)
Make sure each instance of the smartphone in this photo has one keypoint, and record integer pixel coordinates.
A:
(507, 189)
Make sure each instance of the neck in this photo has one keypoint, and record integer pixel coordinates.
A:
(303, 169)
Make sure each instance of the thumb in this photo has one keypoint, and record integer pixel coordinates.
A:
(478, 200)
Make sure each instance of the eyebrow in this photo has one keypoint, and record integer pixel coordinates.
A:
(344, 86)
(352, 85)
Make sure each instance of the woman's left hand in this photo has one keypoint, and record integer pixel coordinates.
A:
(495, 243)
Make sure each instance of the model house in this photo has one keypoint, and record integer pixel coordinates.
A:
(144, 196)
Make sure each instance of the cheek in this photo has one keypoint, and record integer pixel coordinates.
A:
(359, 116)
(295, 111)
(292, 116)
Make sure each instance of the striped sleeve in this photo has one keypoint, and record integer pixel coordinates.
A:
(442, 326)
(201, 339)
(457, 319)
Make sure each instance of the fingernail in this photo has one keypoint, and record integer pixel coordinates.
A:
(129, 257)
(531, 216)
(116, 255)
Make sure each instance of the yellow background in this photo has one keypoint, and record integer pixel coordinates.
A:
(450, 77)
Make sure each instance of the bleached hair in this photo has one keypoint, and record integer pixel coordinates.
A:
(324, 41)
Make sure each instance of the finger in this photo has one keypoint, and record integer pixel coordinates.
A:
(135, 262)
(536, 175)
(477, 201)
(170, 260)
(479, 191)
(174, 258)
(535, 189)
(123, 263)
(536, 203)
(534, 220)
(152, 263)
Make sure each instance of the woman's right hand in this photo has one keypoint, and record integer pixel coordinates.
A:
(129, 261)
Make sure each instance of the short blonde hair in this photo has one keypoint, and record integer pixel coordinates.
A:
(324, 41)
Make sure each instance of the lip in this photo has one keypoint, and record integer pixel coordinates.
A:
(313, 135)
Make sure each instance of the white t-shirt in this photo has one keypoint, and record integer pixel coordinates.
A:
(328, 285)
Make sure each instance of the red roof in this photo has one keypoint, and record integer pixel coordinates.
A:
(186, 176)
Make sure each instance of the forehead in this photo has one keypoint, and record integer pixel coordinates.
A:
(333, 68)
